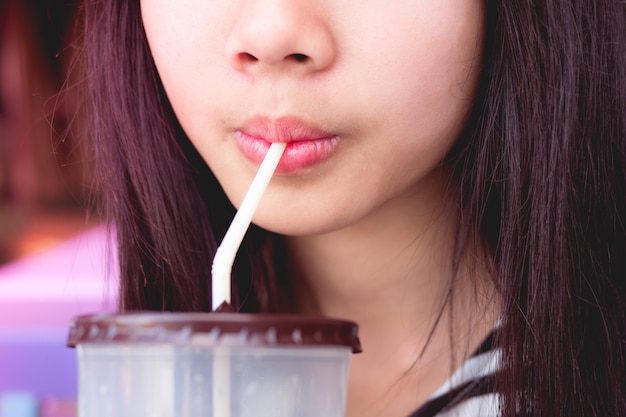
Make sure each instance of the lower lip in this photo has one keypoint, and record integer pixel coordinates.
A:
(298, 155)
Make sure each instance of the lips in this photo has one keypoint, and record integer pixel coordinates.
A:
(307, 145)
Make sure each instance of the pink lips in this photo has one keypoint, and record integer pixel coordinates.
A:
(307, 145)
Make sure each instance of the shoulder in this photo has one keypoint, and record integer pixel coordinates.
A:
(470, 391)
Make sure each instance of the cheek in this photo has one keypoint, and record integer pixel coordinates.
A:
(186, 42)
(433, 73)
(432, 53)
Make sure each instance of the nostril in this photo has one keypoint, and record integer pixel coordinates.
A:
(247, 57)
(299, 57)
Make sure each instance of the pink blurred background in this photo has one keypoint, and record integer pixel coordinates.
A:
(54, 256)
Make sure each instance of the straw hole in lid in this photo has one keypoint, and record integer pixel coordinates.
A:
(271, 336)
(111, 332)
(93, 331)
(184, 334)
(296, 336)
(214, 334)
(243, 335)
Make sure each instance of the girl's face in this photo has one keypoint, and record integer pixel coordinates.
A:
(370, 95)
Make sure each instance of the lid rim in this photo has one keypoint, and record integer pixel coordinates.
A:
(213, 329)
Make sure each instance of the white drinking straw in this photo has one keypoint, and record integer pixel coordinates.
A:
(226, 252)
(222, 268)
(221, 382)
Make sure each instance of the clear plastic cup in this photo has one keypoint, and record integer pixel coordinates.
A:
(212, 365)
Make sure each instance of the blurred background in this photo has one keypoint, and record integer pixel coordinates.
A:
(42, 193)
(53, 252)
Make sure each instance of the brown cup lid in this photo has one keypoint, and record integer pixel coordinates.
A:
(213, 329)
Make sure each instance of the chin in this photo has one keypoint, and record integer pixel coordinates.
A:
(289, 228)
(299, 226)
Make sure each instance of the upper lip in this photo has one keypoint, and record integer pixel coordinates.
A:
(284, 129)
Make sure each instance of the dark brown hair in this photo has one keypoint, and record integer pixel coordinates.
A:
(539, 177)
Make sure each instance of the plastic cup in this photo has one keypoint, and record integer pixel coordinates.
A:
(212, 365)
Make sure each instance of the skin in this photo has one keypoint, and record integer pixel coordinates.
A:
(369, 241)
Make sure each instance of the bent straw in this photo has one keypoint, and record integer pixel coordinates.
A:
(226, 252)
(222, 268)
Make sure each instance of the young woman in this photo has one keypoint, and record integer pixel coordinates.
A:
(454, 182)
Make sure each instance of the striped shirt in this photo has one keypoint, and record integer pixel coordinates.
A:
(470, 390)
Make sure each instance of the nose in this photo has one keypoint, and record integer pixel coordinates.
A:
(280, 34)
